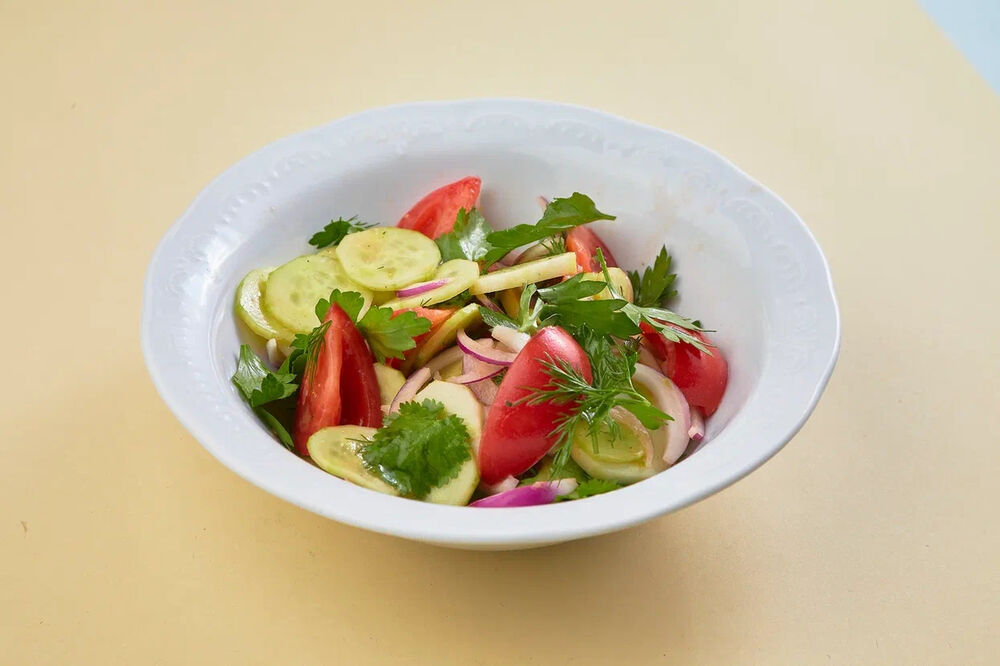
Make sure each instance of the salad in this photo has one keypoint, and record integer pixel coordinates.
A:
(445, 361)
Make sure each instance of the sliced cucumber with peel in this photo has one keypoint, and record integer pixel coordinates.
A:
(522, 274)
(337, 450)
(292, 290)
(443, 337)
(460, 275)
(619, 280)
(390, 380)
(616, 456)
(250, 311)
(460, 401)
(387, 258)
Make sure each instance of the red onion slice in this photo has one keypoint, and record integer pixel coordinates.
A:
(487, 302)
(444, 359)
(482, 352)
(422, 287)
(544, 492)
(507, 484)
(475, 370)
(514, 340)
(697, 429)
(485, 391)
(410, 388)
(646, 358)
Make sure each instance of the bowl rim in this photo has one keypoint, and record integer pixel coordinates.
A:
(523, 526)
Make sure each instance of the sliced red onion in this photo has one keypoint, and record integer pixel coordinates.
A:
(697, 429)
(410, 388)
(543, 492)
(532, 252)
(485, 391)
(543, 202)
(486, 301)
(672, 435)
(646, 358)
(507, 484)
(510, 338)
(444, 359)
(475, 370)
(483, 352)
(422, 287)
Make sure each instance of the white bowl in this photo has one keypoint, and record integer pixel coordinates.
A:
(748, 268)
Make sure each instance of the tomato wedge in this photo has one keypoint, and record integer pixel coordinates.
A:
(435, 214)
(437, 316)
(339, 387)
(516, 436)
(701, 377)
(584, 243)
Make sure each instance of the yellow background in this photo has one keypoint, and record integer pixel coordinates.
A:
(871, 539)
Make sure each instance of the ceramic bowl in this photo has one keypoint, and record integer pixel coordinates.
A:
(749, 268)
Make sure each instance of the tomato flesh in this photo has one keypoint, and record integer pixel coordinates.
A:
(339, 387)
(435, 214)
(701, 377)
(516, 436)
(584, 243)
(437, 316)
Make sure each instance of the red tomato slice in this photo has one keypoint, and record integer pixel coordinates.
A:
(701, 377)
(584, 243)
(437, 316)
(516, 436)
(435, 214)
(340, 387)
(359, 393)
(319, 394)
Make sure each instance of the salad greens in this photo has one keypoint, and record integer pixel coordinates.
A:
(550, 403)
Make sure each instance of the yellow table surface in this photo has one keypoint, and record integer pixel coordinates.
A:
(872, 538)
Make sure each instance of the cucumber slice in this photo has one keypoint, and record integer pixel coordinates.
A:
(292, 290)
(620, 458)
(250, 311)
(390, 380)
(460, 273)
(522, 274)
(619, 280)
(458, 400)
(387, 258)
(336, 452)
(443, 337)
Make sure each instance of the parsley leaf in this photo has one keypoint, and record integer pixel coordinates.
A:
(571, 290)
(388, 336)
(492, 318)
(589, 488)
(560, 214)
(467, 239)
(334, 232)
(419, 448)
(654, 288)
(259, 386)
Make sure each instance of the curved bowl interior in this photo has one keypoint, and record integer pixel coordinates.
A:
(748, 268)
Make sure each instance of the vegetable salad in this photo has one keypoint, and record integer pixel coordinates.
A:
(445, 361)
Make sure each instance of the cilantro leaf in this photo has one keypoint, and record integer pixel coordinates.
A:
(350, 302)
(334, 232)
(654, 288)
(560, 214)
(257, 384)
(389, 336)
(259, 387)
(467, 239)
(420, 448)
(591, 487)
(571, 290)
